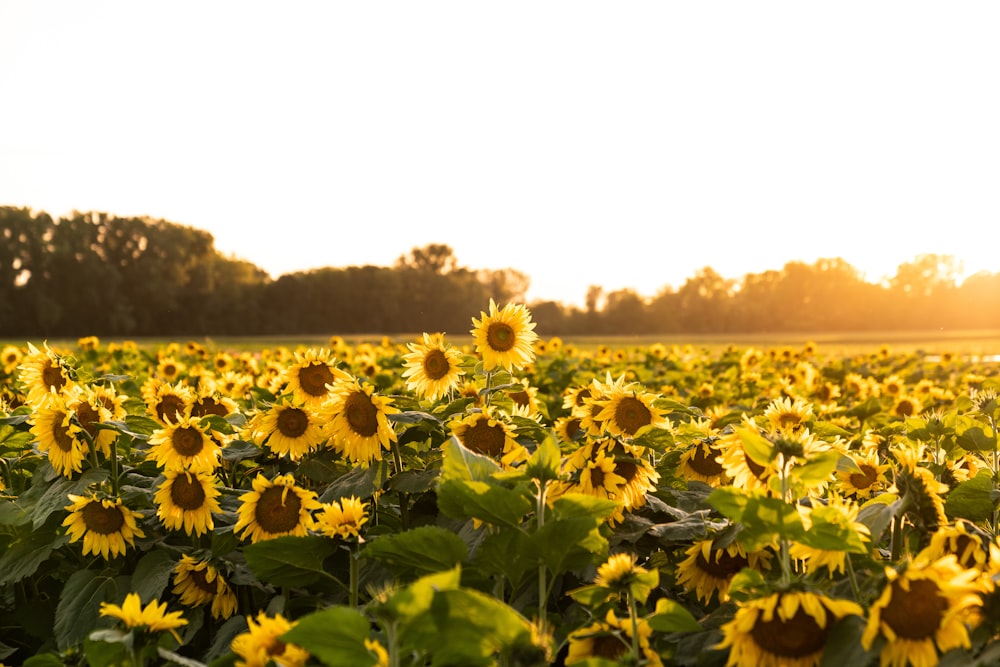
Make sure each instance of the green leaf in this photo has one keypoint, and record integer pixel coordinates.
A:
(567, 544)
(420, 550)
(817, 469)
(98, 651)
(503, 553)
(671, 616)
(973, 435)
(79, 607)
(24, 556)
(414, 481)
(828, 532)
(464, 464)
(591, 596)
(414, 600)
(488, 502)
(336, 636)
(360, 482)
(972, 499)
(291, 561)
(757, 447)
(45, 660)
(55, 499)
(878, 513)
(580, 505)
(152, 574)
(543, 465)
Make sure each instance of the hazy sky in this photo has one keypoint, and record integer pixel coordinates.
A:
(625, 144)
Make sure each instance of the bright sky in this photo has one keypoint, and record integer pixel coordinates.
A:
(622, 144)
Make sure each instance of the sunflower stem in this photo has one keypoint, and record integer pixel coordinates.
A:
(786, 557)
(353, 559)
(633, 613)
(543, 593)
(897, 537)
(853, 578)
(404, 498)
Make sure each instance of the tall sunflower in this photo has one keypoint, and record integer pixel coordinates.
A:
(94, 404)
(198, 583)
(261, 645)
(357, 422)
(870, 479)
(784, 414)
(167, 402)
(44, 375)
(186, 499)
(922, 611)
(629, 409)
(185, 444)
(787, 629)
(59, 436)
(275, 508)
(342, 518)
(289, 429)
(707, 569)
(431, 368)
(505, 337)
(105, 525)
(154, 617)
(699, 462)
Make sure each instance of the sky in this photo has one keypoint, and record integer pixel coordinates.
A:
(621, 144)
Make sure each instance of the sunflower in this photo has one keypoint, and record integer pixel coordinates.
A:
(169, 369)
(311, 376)
(870, 479)
(10, 357)
(837, 511)
(105, 525)
(60, 437)
(574, 398)
(525, 400)
(93, 404)
(153, 618)
(783, 414)
(44, 375)
(905, 406)
(186, 499)
(922, 611)
(186, 444)
(922, 494)
(198, 583)
(275, 508)
(699, 461)
(291, 430)
(568, 428)
(787, 629)
(209, 400)
(629, 409)
(431, 368)
(973, 547)
(261, 645)
(708, 570)
(484, 432)
(632, 465)
(357, 423)
(167, 402)
(342, 519)
(746, 473)
(611, 639)
(505, 338)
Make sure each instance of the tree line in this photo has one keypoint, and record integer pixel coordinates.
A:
(99, 274)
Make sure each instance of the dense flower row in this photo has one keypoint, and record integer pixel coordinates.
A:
(379, 503)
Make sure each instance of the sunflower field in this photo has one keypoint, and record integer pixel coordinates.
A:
(510, 501)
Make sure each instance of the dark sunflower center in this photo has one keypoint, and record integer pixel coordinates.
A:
(187, 492)
(597, 477)
(966, 548)
(582, 396)
(755, 468)
(170, 370)
(208, 406)
(825, 393)
(485, 439)
(789, 420)
(60, 434)
(201, 581)
(292, 422)
(361, 413)
(277, 516)
(276, 647)
(626, 468)
(501, 337)
(631, 414)
(797, 637)
(608, 646)
(520, 398)
(169, 407)
(88, 417)
(101, 519)
(703, 462)
(865, 478)
(916, 613)
(572, 428)
(188, 441)
(436, 365)
(314, 378)
(905, 409)
(721, 564)
(52, 377)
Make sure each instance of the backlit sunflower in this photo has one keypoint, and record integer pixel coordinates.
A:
(261, 645)
(10, 357)
(783, 630)
(186, 500)
(154, 617)
(568, 428)
(169, 369)
(44, 375)
(431, 368)
(971, 546)
(870, 479)
(746, 473)
(922, 611)
(342, 518)
(628, 409)
(708, 570)
(311, 376)
(905, 406)
(198, 583)
(275, 508)
(167, 402)
(357, 423)
(611, 639)
(291, 430)
(505, 337)
(59, 436)
(93, 404)
(784, 414)
(106, 526)
(185, 444)
(838, 512)
(484, 432)
(632, 465)
(210, 400)
(699, 461)
(922, 494)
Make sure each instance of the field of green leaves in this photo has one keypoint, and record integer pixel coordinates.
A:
(500, 499)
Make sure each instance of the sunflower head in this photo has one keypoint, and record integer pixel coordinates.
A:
(432, 368)
(505, 337)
